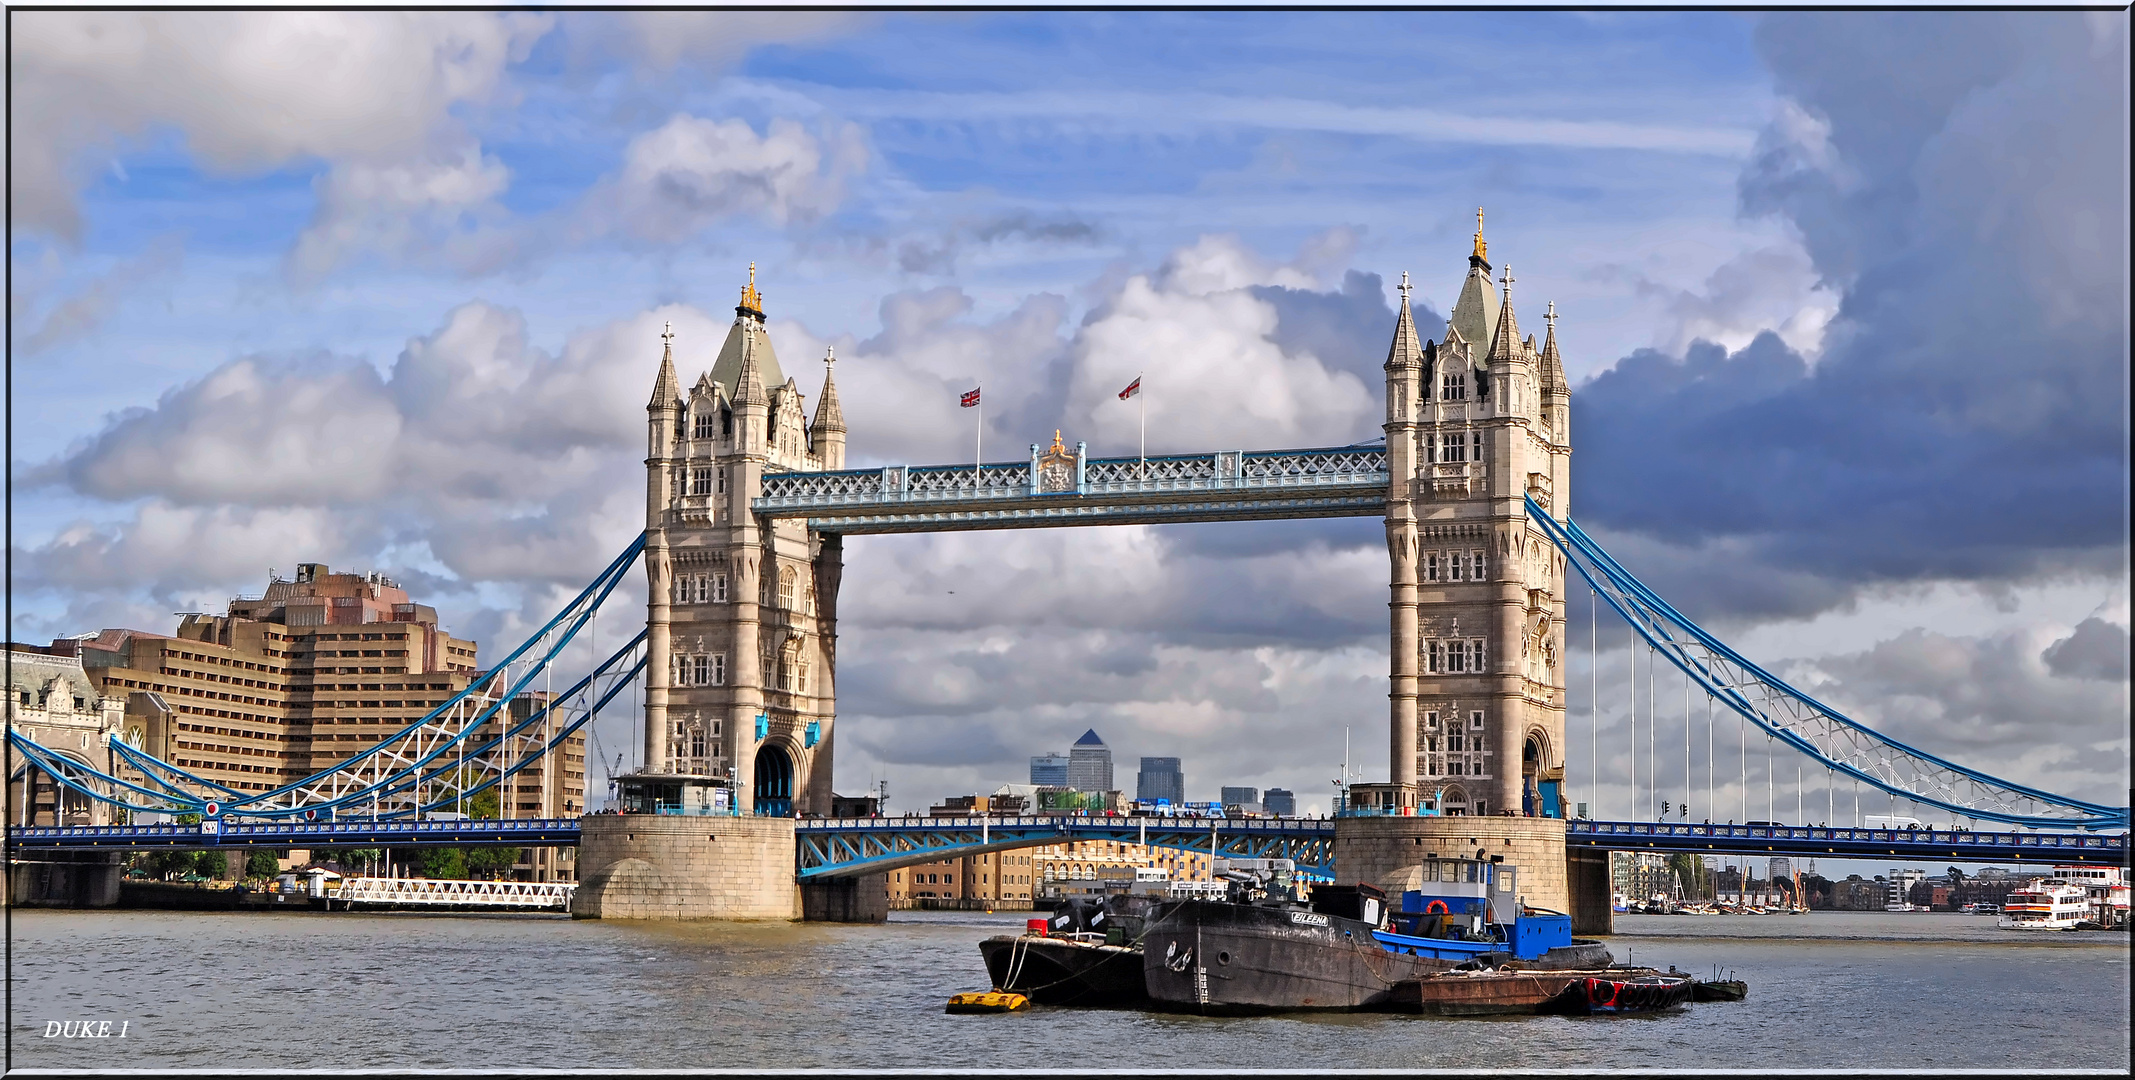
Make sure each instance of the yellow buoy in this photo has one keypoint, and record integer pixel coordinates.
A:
(987, 1001)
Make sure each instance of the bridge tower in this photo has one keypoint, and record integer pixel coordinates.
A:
(741, 612)
(1476, 422)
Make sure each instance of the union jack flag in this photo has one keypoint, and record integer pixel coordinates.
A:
(971, 399)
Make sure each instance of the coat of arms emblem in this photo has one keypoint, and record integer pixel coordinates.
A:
(1056, 469)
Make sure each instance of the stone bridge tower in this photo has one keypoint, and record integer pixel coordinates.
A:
(741, 614)
(1476, 423)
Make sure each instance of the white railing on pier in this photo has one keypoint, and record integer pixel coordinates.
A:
(446, 892)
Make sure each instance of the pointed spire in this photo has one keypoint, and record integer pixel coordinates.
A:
(1505, 340)
(1480, 257)
(828, 416)
(666, 390)
(749, 385)
(1552, 361)
(1404, 352)
(752, 302)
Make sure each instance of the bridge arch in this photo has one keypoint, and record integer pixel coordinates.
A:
(772, 788)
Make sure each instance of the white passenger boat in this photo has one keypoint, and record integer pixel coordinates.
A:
(2045, 905)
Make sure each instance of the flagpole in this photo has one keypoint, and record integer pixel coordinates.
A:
(978, 447)
(1142, 468)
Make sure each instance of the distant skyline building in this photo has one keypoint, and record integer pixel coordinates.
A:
(1279, 801)
(1160, 778)
(1090, 763)
(1049, 770)
(1244, 798)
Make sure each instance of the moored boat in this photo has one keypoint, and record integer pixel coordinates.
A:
(1619, 993)
(1084, 955)
(2045, 905)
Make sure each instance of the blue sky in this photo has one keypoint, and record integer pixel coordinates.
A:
(1843, 299)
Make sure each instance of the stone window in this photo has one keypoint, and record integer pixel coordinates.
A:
(1430, 721)
(715, 672)
(718, 588)
(1456, 566)
(800, 676)
(719, 481)
(1475, 719)
(1477, 438)
(1455, 448)
(697, 745)
(1475, 566)
(700, 481)
(787, 581)
(1455, 386)
(1430, 566)
(701, 423)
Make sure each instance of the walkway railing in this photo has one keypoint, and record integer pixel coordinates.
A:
(1937, 844)
(423, 892)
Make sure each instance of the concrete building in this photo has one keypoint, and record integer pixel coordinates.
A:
(1049, 770)
(1279, 801)
(1635, 876)
(52, 701)
(1090, 763)
(1160, 778)
(741, 616)
(291, 683)
(1900, 884)
(1244, 798)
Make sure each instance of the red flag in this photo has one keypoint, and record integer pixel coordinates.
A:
(1132, 389)
(971, 399)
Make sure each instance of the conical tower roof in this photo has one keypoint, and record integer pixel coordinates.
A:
(828, 416)
(666, 389)
(1506, 336)
(1405, 351)
(1552, 361)
(748, 322)
(748, 386)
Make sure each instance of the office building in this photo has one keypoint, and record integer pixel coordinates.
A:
(1049, 770)
(1244, 798)
(1090, 763)
(1160, 778)
(1280, 802)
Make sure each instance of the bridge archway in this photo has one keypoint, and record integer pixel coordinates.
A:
(1534, 751)
(774, 781)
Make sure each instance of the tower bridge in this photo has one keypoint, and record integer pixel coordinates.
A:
(748, 504)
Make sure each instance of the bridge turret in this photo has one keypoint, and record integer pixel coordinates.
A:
(1556, 394)
(1404, 375)
(663, 421)
(827, 432)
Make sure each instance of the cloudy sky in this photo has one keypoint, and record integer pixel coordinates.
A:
(1844, 301)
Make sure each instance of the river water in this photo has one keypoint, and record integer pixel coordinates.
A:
(288, 989)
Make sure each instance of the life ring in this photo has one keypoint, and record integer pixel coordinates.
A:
(1601, 991)
(1435, 907)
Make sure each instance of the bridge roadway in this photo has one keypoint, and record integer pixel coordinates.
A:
(844, 847)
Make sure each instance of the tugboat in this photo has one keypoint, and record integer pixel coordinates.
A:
(1086, 954)
(1262, 950)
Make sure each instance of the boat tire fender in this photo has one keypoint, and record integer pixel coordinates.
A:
(1601, 991)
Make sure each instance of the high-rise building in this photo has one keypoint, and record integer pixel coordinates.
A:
(1280, 802)
(1049, 770)
(1090, 763)
(305, 676)
(1160, 778)
(1779, 867)
(1244, 798)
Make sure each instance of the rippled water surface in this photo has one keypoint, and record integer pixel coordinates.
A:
(271, 990)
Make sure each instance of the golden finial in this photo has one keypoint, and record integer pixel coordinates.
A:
(1058, 446)
(1482, 250)
(750, 298)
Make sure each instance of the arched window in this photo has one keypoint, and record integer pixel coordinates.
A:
(787, 580)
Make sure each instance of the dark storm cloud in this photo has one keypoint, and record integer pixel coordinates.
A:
(1963, 178)
(2097, 650)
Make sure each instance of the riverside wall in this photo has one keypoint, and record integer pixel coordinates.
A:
(658, 866)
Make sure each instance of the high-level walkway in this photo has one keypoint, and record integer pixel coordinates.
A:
(1229, 485)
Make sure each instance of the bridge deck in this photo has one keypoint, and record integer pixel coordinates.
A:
(1230, 485)
(510, 832)
(1935, 845)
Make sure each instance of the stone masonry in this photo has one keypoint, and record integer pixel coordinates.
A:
(657, 866)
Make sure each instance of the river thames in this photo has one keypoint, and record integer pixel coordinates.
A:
(270, 991)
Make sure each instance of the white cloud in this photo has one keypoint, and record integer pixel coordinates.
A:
(411, 209)
(691, 172)
(247, 90)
